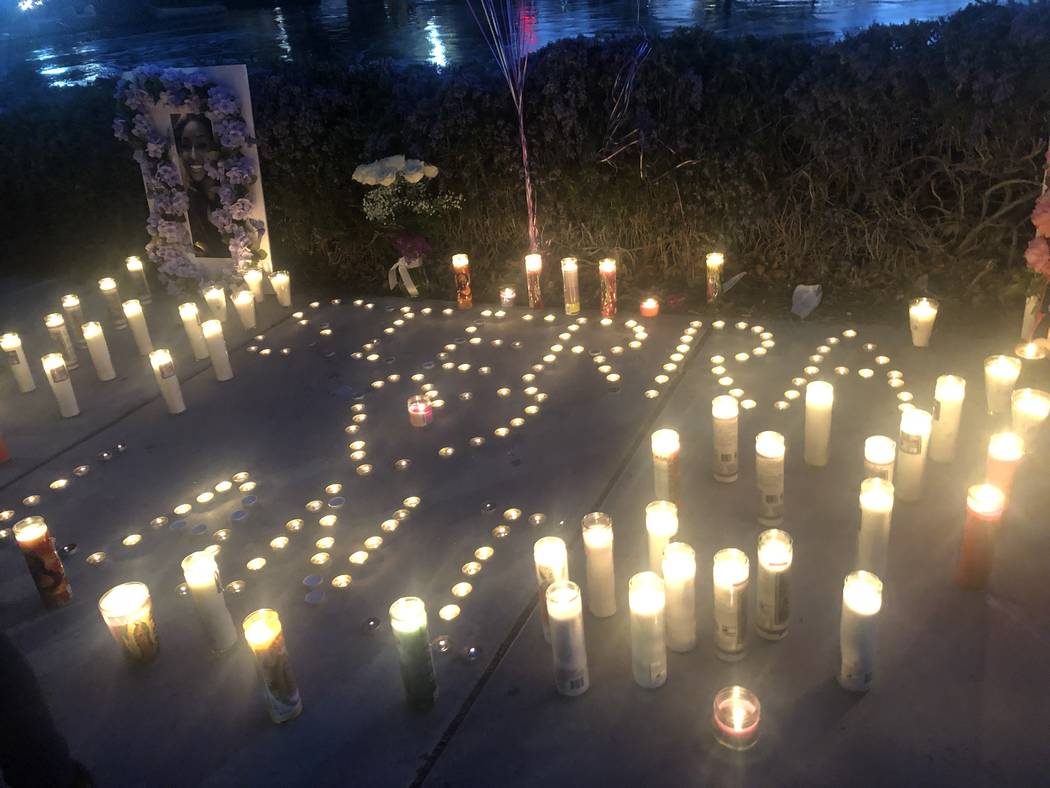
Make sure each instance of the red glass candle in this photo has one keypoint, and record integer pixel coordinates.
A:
(533, 269)
(984, 511)
(607, 275)
(650, 307)
(420, 411)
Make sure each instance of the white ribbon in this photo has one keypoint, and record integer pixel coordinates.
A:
(400, 268)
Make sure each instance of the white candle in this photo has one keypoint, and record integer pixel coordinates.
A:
(661, 523)
(731, 572)
(820, 398)
(565, 614)
(139, 330)
(1005, 452)
(948, 396)
(666, 447)
(11, 344)
(715, 261)
(601, 571)
(74, 316)
(880, 454)
(876, 513)
(645, 597)
(191, 322)
(138, 275)
(552, 564)
(244, 302)
(773, 608)
(1000, 377)
(724, 419)
(861, 602)
(108, 287)
(220, 357)
(61, 386)
(215, 297)
(167, 382)
(98, 350)
(202, 578)
(570, 280)
(1029, 408)
(253, 277)
(679, 568)
(56, 329)
(281, 282)
(912, 445)
(769, 473)
(922, 313)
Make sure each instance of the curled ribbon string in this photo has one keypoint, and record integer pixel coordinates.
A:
(401, 268)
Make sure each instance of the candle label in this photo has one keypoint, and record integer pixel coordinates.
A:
(12, 358)
(936, 410)
(59, 374)
(730, 619)
(725, 448)
(48, 573)
(910, 443)
(279, 686)
(770, 478)
(871, 470)
(138, 638)
(167, 370)
(657, 673)
(774, 602)
(570, 680)
(666, 478)
(464, 296)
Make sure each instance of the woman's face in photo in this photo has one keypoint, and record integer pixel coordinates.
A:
(195, 145)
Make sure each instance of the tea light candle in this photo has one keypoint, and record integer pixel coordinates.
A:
(507, 296)
(420, 411)
(601, 571)
(565, 613)
(984, 511)
(715, 262)
(1005, 452)
(737, 713)
(948, 396)
(570, 282)
(108, 287)
(679, 572)
(646, 599)
(244, 303)
(861, 603)
(922, 313)
(281, 282)
(127, 610)
(1029, 408)
(191, 323)
(61, 386)
(876, 512)
(139, 330)
(253, 278)
(649, 307)
(666, 473)
(607, 281)
(912, 446)
(533, 269)
(45, 567)
(880, 453)
(216, 342)
(725, 418)
(138, 276)
(11, 344)
(408, 620)
(769, 473)
(167, 382)
(661, 524)
(552, 564)
(1030, 351)
(461, 273)
(1000, 377)
(215, 298)
(74, 316)
(56, 329)
(731, 572)
(773, 608)
(820, 398)
(265, 636)
(206, 591)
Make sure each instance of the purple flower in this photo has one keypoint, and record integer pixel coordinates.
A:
(156, 145)
(222, 101)
(195, 79)
(241, 209)
(120, 129)
(168, 174)
(141, 127)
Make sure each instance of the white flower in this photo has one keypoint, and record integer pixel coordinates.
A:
(430, 171)
(414, 170)
(366, 174)
(394, 164)
(389, 178)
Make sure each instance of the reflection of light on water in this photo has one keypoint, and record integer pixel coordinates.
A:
(282, 34)
(46, 53)
(437, 48)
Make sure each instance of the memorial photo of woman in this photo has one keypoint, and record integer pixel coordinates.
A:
(195, 145)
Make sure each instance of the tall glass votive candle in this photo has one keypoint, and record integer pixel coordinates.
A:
(601, 571)
(715, 262)
(127, 610)
(570, 282)
(666, 448)
(265, 637)
(253, 278)
(725, 427)
(1005, 452)
(244, 303)
(876, 513)
(138, 275)
(215, 298)
(111, 293)
(984, 512)
(461, 274)
(533, 269)
(281, 282)
(922, 312)
(661, 525)
(190, 315)
(769, 473)
(948, 396)
(61, 386)
(11, 344)
(731, 572)
(216, 342)
(912, 447)
(646, 599)
(139, 330)
(167, 381)
(56, 329)
(861, 603)
(737, 714)
(820, 398)
(420, 411)
(679, 572)
(1000, 377)
(408, 619)
(98, 349)
(1029, 408)
(45, 567)
(74, 316)
(880, 454)
(607, 282)
(565, 613)
(773, 607)
(206, 591)
(551, 559)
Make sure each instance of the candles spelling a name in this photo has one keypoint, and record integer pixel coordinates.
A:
(570, 283)
(45, 567)
(666, 448)
(265, 637)
(646, 599)
(533, 269)
(461, 273)
(167, 382)
(1000, 377)
(912, 447)
(922, 312)
(820, 398)
(408, 620)
(773, 606)
(984, 511)
(876, 513)
(731, 571)
(127, 610)
(607, 282)
(601, 571)
(216, 342)
(11, 345)
(661, 524)
(206, 590)
(138, 276)
(57, 375)
(737, 714)
(715, 262)
(565, 614)
(861, 603)
(139, 330)
(551, 559)
(769, 474)
(679, 573)
(191, 323)
(948, 396)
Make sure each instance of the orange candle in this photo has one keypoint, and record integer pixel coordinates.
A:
(650, 307)
(984, 511)
(45, 567)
